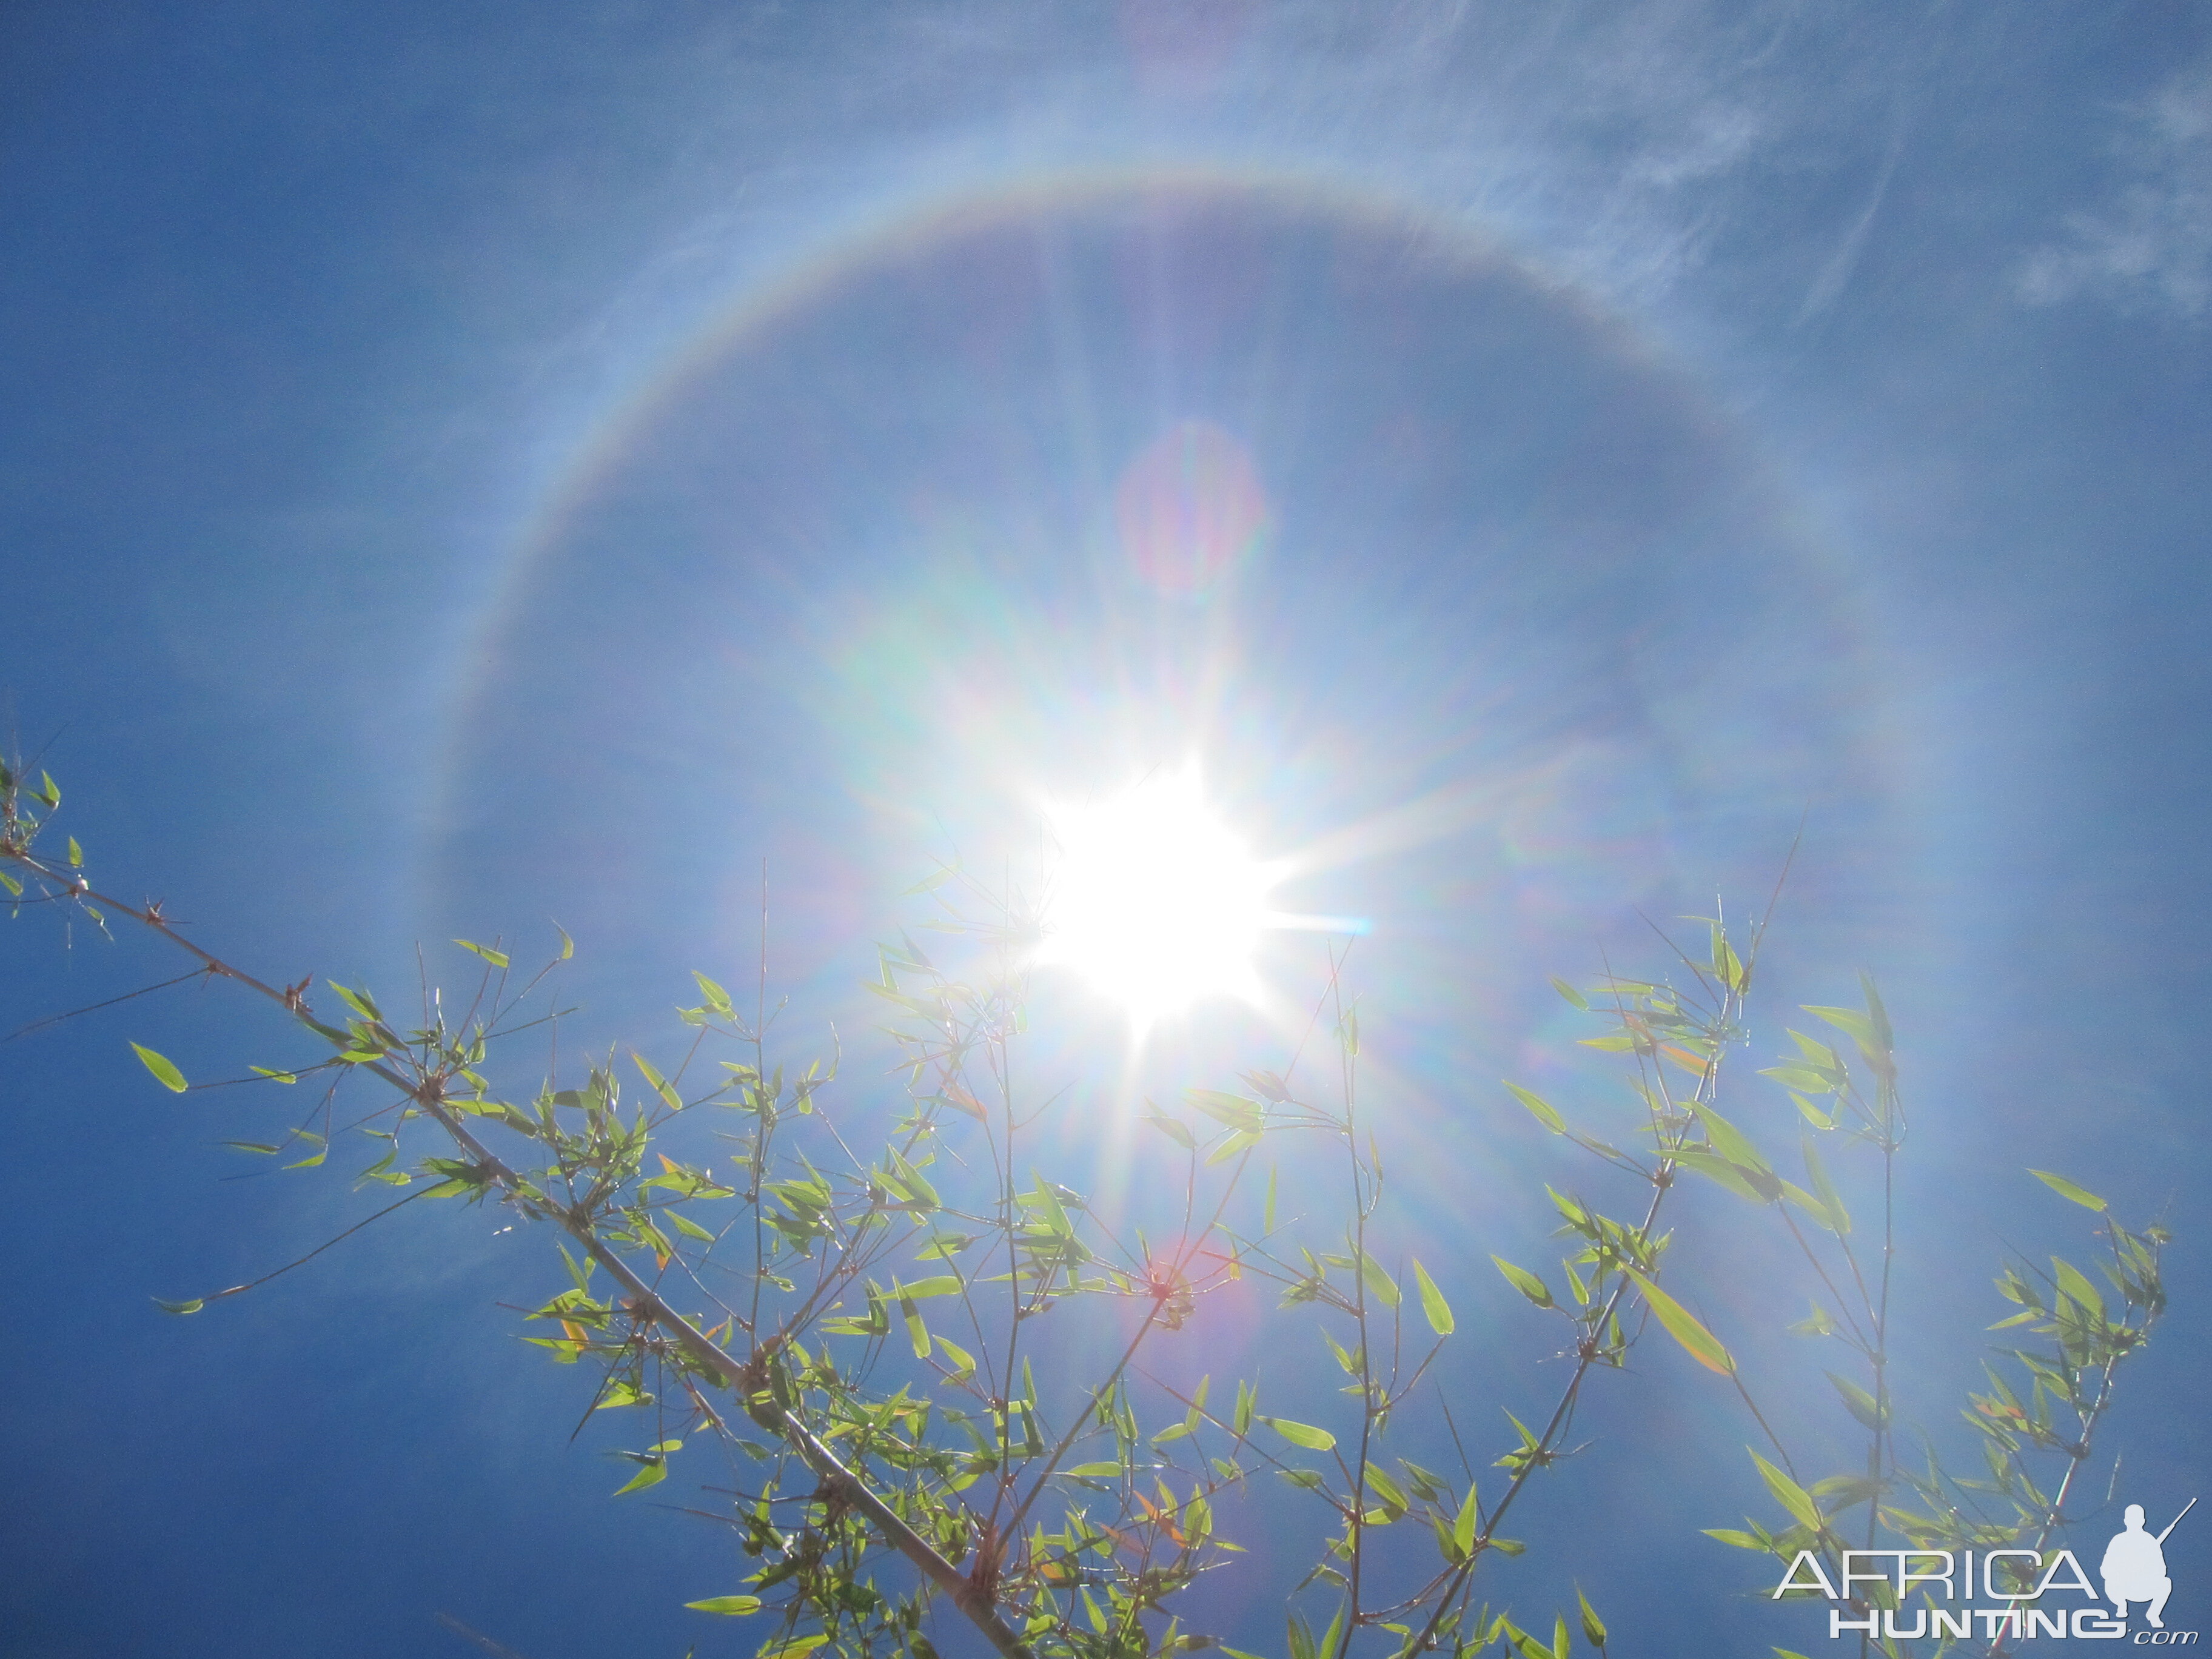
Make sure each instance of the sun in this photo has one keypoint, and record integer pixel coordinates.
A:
(1154, 900)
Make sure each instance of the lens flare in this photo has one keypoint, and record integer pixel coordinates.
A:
(1154, 900)
(1190, 507)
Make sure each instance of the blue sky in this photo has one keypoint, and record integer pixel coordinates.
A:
(466, 465)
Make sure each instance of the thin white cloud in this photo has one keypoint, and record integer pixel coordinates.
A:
(1840, 265)
(2152, 247)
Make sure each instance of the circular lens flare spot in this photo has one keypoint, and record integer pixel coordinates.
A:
(1153, 900)
(1189, 507)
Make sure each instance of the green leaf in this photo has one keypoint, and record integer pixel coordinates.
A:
(1876, 1013)
(1592, 1626)
(1801, 1077)
(1302, 1434)
(964, 1362)
(1433, 1303)
(1543, 1110)
(1049, 1205)
(165, 1073)
(249, 1145)
(1861, 1404)
(913, 1181)
(938, 1284)
(1816, 1323)
(1787, 1492)
(917, 1333)
(1463, 1523)
(1243, 1141)
(1234, 1110)
(661, 1086)
(1383, 1487)
(651, 1475)
(1525, 1282)
(360, 1001)
(192, 1307)
(2065, 1188)
(1716, 1168)
(2075, 1284)
(1846, 1019)
(1701, 1344)
(1571, 995)
(1838, 1217)
(735, 1606)
(567, 944)
(275, 1077)
(1385, 1288)
(1730, 1142)
(1328, 1644)
(795, 1648)
(1728, 967)
(1175, 1130)
(75, 854)
(691, 1228)
(497, 958)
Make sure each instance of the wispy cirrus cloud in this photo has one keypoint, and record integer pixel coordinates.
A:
(2151, 246)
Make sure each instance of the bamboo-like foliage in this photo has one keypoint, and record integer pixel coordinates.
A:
(849, 1316)
(1850, 1095)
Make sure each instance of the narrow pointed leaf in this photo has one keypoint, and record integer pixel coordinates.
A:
(1861, 1404)
(1699, 1343)
(1433, 1303)
(163, 1070)
(1302, 1434)
(651, 1475)
(661, 1086)
(1592, 1626)
(1787, 1492)
(2075, 1284)
(2065, 1188)
(1525, 1282)
(1544, 1112)
(1379, 1283)
(1234, 1110)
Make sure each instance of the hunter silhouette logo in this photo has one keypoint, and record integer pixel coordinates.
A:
(2133, 1570)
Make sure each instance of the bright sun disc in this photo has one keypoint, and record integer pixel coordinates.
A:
(1153, 900)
